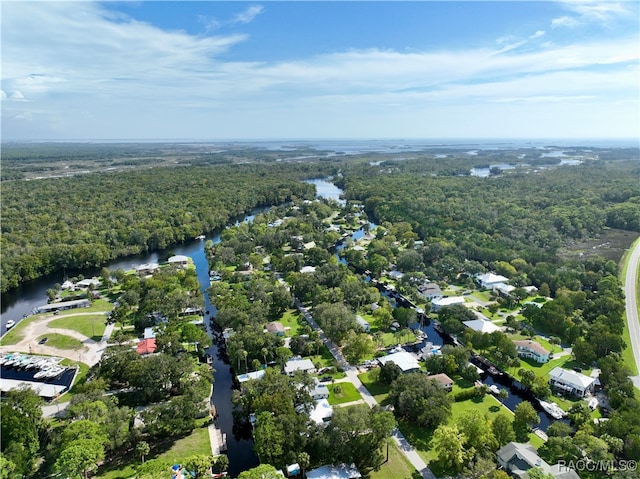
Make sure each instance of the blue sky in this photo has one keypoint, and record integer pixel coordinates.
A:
(307, 70)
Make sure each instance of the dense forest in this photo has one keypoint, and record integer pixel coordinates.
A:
(526, 215)
(87, 220)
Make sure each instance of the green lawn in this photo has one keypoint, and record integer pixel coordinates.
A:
(348, 393)
(290, 320)
(89, 325)
(397, 467)
(377, 389)
(62, 341)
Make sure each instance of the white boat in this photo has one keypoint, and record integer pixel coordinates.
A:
(552, 409)
(41, 374)
(493, 389)
(54, 372)
(10, 324)
(201, 237)
(15, 359)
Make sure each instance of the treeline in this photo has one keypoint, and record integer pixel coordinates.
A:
(86, 221)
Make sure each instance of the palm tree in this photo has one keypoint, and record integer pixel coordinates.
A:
(304, 460)
(243, 354)
(264, 352)
(143, 449)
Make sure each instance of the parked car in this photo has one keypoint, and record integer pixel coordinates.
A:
(43, 340)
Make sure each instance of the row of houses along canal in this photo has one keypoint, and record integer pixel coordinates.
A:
(239, 446)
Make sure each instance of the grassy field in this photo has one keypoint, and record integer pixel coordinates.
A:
(377, 389)
(290, 320)
(16, 334)
(62, 341)
(397, 467)
(89, 325)
(348, 393)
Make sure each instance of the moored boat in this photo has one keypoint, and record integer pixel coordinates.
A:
(552, 409)
(10, 324)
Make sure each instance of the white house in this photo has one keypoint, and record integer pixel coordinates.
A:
(481, 326)
(294, 365)
(243, 378)
(404, 360)
(339, 471)
(179, 260)
(438, 303)
(363, 323)
(488, 280)
(532, 349)
(430, 291)
(319, 391)
(322, 412)
(571, 381)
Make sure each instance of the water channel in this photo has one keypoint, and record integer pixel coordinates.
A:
(239, 449)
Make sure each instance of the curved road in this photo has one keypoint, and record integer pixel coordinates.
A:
(632, 307)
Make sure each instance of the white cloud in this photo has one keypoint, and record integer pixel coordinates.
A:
(249, 14)
(210, 23)
(592, 11)
(86, 73)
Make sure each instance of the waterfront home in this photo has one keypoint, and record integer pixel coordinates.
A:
(404, 360)
(179, 260)
(147, 268)
(532, 349)
(430, 291)
(571, 382)
(339, 471)
(243, 378)
(517, 458)
(438, 303)
(481, 326)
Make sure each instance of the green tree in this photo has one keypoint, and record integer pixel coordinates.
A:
(503, 429)
(357, 346)
(420, 400)
(525, 417)
(269, 439)
(80, 457)
(263, 471)
(142, 448)
(448, 442)
(199, 464)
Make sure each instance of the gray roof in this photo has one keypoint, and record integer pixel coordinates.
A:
(523, 456)
(340, 471)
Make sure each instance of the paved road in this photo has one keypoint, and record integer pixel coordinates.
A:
(632, 307)
(352, 374)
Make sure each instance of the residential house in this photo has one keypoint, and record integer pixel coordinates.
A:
(571, 382)
(481, 326)
(243, 378)
(488, 280)
(363, 323)
(275, 328)
(532, 349)
(294, 365)
(319, 391)
(444, 381)
(404, 360)
(179, 260)
(62, 305)
(438, 303)
(339, 471)
(430, 291)
(322, 412)
(147, 268)
(146, 346)
(517, 458)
